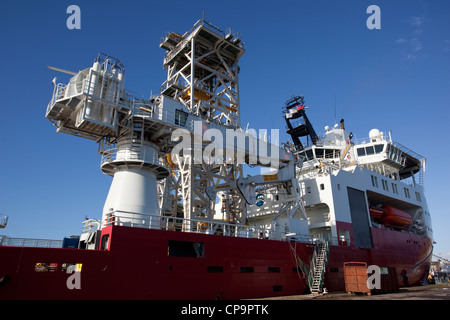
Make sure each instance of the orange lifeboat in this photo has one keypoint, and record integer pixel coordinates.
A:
(393, 217)
(376, 213)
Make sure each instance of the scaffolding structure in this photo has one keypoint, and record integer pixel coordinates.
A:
(202, 73)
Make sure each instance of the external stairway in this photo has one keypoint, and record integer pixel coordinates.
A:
(317, 267)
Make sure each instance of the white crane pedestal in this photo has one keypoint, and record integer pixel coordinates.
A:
(132, 199)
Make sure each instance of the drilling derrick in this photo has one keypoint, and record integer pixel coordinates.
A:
(204, 61)
(202, 74)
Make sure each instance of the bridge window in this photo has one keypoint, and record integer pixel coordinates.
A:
(361, 152)
(370, 150)
(379, 148)
(319, 153)
(329, 153)
(337, 153)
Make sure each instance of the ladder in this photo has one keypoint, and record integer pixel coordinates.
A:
(317, 268)
(345, 151)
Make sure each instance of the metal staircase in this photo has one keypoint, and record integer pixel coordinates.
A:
(317, 267)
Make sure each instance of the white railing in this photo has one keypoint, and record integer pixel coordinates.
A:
(90, 225)
(408, 151)
(27, 242)
(185, 38)
(396, 144)
(133, 153)
(58, 93)
(204, 226)
(89, 87)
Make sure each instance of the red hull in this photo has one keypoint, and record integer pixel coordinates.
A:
(139, 265)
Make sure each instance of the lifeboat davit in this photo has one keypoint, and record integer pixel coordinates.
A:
(394, 217)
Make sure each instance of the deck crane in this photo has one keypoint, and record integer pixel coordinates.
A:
(247, 186)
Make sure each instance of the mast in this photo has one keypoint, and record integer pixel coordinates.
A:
(295, 109)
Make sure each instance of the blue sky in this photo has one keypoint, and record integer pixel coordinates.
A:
(396, 78)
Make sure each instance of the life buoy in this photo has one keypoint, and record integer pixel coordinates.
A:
(203, 226)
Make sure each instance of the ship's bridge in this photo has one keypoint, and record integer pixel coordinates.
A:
(376, 153)
(388, 157)
(333, 149)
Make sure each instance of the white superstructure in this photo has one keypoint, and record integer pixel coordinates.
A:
(376, 173)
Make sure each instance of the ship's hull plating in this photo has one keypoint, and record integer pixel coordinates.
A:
(140, 265)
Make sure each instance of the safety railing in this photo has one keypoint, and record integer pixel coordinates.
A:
(417, 156)
(108, 90)
(90, 225)
(204, 226)
(27, 242)
(133, 153)
(184, 39)
(396, 144)
(172, 82)
(58, 93)
(312, 268)
(317, 266)
(179, 47)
